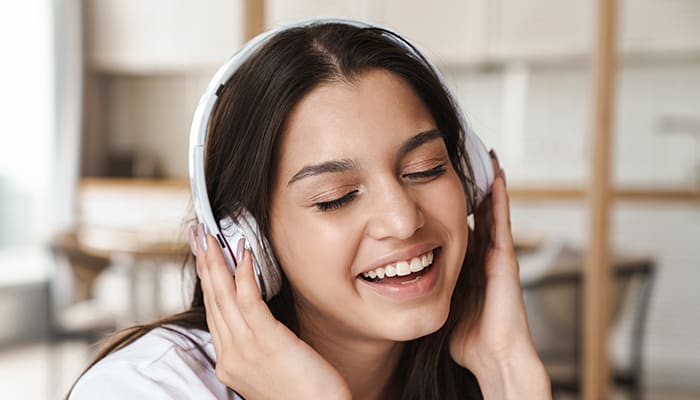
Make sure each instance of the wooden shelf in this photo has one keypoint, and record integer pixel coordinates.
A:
(117, 68)
(98, 181)
(621, 194)
(567, 60)
(516, 192)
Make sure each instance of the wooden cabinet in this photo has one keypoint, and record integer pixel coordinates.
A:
(146, 65)
(163, 36)
(561, 30)
(156, 36)
(542, 30)
(450, 32)
(660, 27)
(148, 62)
(279, 12)
(486, 32)
(538, 30)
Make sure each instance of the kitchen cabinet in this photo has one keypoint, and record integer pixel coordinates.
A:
(538, 30)
(160, 36)
(449, 32)
(279, 12)
(145, 65)
(474, 33)
(660, 27)
(147, 62)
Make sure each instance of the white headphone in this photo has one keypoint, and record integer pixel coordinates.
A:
(228, 231)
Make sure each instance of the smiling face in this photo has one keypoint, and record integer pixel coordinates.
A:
(364, 189)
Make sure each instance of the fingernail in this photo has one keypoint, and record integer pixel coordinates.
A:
(503, 174)
(202, 236)
(493, 155)
(193, 243)
(240, 247)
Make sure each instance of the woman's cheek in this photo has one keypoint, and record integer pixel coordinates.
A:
(446, 200)
(314, 246)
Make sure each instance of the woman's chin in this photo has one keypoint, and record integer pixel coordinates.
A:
(412, 327)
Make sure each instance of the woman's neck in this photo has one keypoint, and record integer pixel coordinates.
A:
(367, 365)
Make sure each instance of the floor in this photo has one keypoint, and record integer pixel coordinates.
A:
(38, 372)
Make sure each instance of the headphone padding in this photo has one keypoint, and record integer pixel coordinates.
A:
(264, 262)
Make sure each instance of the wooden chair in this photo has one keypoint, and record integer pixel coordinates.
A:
(71, 315)
(561, 352)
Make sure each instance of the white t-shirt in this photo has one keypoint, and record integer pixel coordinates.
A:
(159, 365)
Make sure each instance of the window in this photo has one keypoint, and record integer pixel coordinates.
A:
(27, 103)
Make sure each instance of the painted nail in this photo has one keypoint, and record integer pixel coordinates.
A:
(239, 249)
(193, 243)
(202, 236)
(493, 155)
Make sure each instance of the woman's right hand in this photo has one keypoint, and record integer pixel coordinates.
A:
(256, 355)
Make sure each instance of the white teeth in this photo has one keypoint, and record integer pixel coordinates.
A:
(416, 264)
(402, 268)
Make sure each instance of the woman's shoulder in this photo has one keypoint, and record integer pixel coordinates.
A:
(167, 363)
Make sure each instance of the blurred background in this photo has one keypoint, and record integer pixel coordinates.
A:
(97, 99)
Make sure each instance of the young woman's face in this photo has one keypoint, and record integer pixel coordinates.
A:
(365, 186)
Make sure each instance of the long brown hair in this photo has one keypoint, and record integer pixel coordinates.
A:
(240, 164)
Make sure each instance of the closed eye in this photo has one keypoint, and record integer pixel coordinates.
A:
(430, 173)
(337, 203)
(342, 201)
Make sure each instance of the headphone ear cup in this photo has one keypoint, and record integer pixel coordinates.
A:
(267, 271)
(481, 168)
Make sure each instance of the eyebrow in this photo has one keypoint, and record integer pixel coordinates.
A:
(323, 168)
(419, 140)
(348, 164)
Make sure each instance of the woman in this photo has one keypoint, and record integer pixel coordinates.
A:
(349, 153)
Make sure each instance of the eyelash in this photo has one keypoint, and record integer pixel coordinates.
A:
(433, 172)
(337, 203)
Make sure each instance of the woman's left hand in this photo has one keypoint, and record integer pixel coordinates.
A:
(497, 347)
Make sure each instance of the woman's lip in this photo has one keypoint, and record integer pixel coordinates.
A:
(420, 287)
(401, 255)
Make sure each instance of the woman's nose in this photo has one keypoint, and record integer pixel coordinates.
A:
(396, 213)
